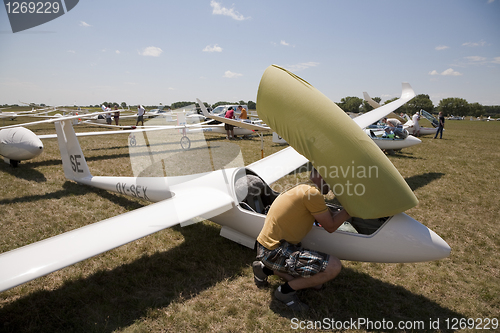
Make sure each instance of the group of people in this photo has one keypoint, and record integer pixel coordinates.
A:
(416, 126)
(230, 115)
(392, 124)
(116, 114)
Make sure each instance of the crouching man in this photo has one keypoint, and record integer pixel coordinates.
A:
(288, 221)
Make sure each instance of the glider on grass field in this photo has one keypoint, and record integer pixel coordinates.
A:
(13, 115)
(396, 141)
(409, 125)
(18, 143)
(237, 197)
(388, 138)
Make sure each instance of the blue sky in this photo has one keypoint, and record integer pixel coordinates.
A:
(159, 51)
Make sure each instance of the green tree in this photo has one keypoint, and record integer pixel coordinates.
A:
(251, 105)
(492, 110)
(178, 105)
(454, 106)
(418, 103)
(123, 105)
(476, 109)
(351, 104)
(222, 103)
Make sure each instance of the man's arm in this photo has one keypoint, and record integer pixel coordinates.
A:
(330, 221)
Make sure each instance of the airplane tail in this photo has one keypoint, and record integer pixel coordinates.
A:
(203, 109)
(74, 164)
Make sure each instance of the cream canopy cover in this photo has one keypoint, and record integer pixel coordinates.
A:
(365, 182)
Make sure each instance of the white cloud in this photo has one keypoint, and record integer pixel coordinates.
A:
(117, 52)
(210, 48)
(72, 51)
(448, 72)
(84, 24)
(451, 72)
(491, 1)
(219, 10)
(301, 66)
(476, 59)
(496, 60)
(231, 75)
(151, 51)
(470, 44)
(284, 43)
(442, 47)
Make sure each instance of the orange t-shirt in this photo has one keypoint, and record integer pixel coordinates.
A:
(243, 114)
(291, 216)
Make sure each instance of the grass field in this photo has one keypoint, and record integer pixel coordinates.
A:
(191, 279)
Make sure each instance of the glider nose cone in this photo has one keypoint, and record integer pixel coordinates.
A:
(440, 247)
(30, 146)
(35, 147)
(414, 241)
(412, 141)
(20, 144)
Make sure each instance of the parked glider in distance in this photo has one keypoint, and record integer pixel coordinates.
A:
(246, 124)
(400, 141)
(409, 124)
(235, 198)
(18, 143)
(13, 115)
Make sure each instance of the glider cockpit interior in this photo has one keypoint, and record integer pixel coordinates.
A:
(254, 195)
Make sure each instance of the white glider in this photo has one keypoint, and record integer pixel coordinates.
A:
(235, 198)
(409, 125)
(18, 143)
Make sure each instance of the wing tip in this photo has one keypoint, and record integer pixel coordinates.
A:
(407, 90)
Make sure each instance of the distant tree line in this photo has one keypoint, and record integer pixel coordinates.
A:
(177, 105)
(449, 106)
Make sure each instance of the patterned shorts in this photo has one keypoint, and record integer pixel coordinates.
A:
(293, 259)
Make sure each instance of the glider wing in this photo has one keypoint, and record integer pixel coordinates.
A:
(380, 112)
(41, 258)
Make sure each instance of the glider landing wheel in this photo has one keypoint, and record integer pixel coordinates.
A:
(133, 141)
(185, 143)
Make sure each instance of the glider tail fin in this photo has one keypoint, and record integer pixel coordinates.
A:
(74, 164)
(203, 108)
